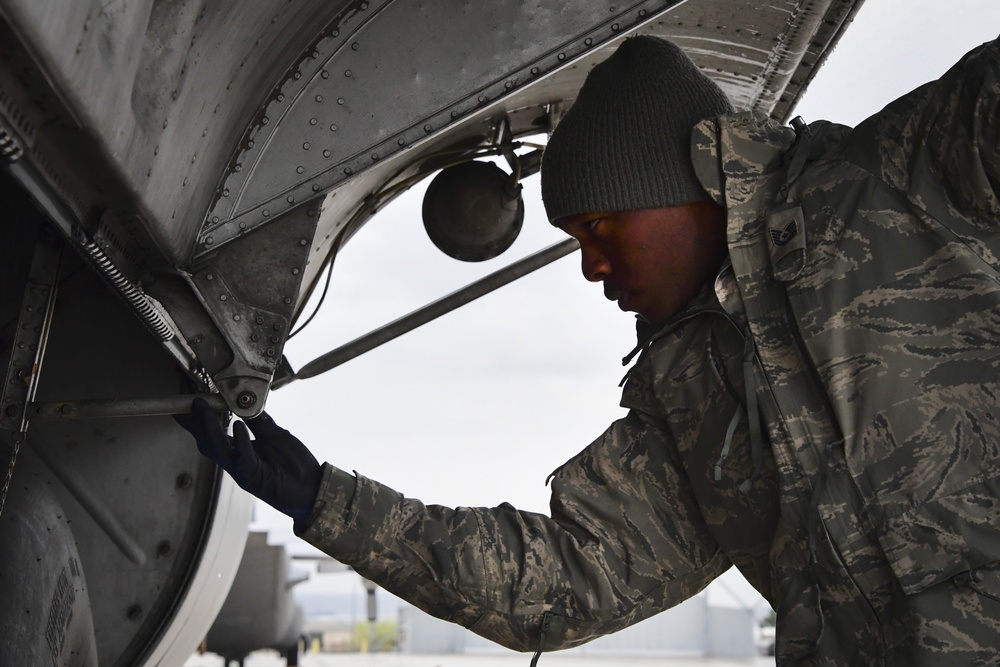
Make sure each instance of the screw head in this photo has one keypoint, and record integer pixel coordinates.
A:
(246, 399)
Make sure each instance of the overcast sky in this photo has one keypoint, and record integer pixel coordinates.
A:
(479, 406)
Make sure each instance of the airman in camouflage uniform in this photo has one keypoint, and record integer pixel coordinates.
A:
(823, 415)
(860, 311)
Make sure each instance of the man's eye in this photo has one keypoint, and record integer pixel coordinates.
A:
(592, 225)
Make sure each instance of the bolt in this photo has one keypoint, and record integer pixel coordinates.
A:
(246, 399)
(12, 410)
(163, 548)
(184, 481)
(134, 612)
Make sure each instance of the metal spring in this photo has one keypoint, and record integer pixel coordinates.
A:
(10, 148)
(140, 304)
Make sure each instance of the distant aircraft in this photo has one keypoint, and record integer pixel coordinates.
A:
(260, 610)
(178, 178)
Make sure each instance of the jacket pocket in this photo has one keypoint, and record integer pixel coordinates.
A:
(944, 537)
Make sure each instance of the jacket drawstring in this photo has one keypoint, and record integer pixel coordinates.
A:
(546, 620)
(644, 334)
(753, 418)
(733, 422)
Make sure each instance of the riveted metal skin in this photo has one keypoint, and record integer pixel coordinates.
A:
(337, 111)
(246, 287)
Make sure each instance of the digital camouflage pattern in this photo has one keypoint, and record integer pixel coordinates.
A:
(825, 417)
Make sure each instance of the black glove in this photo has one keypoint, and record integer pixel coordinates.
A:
(276, 467)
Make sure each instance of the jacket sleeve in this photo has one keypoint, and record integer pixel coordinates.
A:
(938, 145)
(624, 541)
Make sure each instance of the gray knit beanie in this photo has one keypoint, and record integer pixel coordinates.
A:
(625, 143)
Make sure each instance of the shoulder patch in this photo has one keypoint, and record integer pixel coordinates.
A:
(786, 235)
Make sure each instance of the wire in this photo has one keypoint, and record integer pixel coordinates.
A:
(375, 199)
(322, 298)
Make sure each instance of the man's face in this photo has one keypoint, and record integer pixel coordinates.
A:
(651, 261)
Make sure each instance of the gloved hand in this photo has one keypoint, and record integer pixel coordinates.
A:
(276, 467)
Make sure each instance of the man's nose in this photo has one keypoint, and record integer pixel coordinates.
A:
(595, 265)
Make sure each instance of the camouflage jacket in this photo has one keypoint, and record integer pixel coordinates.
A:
(824, 416)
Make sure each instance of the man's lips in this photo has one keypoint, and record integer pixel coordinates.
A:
(614, 293)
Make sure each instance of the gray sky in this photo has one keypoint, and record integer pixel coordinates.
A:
(479, 406)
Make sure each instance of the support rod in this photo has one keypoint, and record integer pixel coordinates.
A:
(124, 407)
(433, 310)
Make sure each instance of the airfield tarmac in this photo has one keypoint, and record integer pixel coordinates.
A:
(270, 659)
